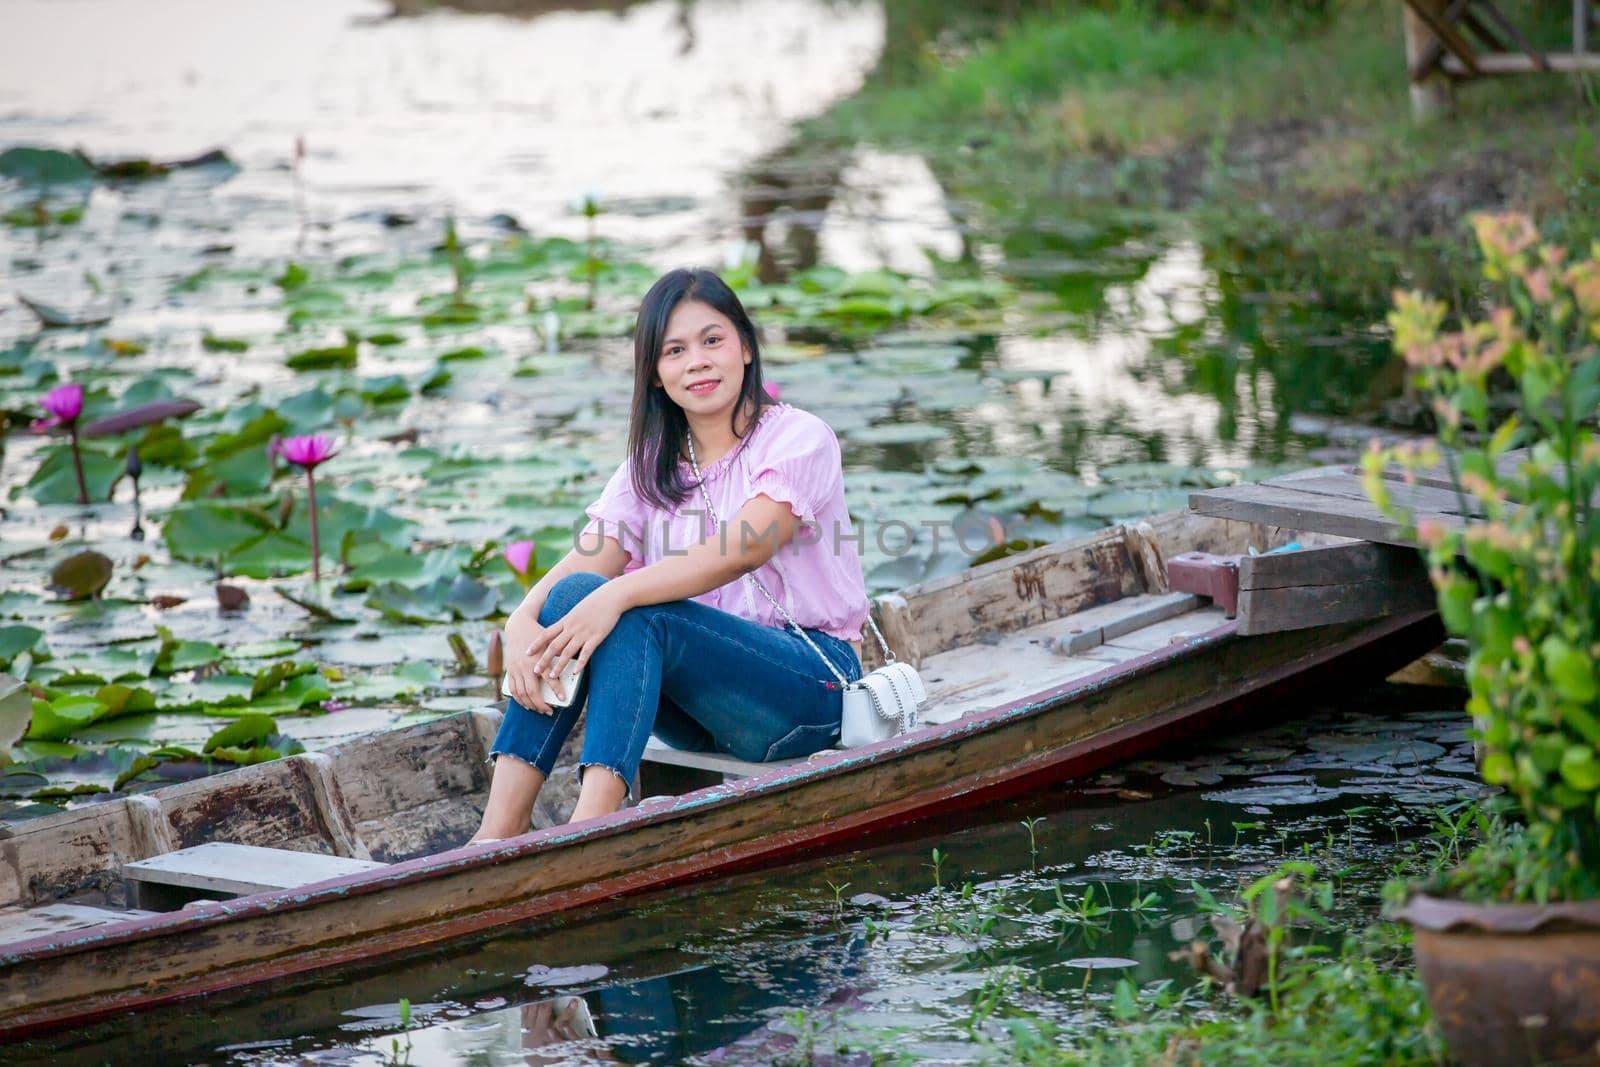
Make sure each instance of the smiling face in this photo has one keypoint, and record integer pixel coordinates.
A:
(702, 360)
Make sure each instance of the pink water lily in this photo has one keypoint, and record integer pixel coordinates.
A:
(65, 404)
(773, 390)
(519, 555)
(307, 452)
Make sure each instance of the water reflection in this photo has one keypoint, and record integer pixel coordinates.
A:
(658, 103)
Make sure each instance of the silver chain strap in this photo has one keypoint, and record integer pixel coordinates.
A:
(888, 653)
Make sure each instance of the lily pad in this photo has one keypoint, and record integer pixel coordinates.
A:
(245, 730)
(15, 639)
(263, 649)
(82, 575)
(45, 166)
(58, 719)
(16, 711)
(55, 482)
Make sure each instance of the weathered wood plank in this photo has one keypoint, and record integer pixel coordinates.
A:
(77, 851)
(1169, 631)
(1138, 612)
(413, 791)
(720, 762)
(1296, 510)
(272, 804)
(18, 924)
(240, 870)
(1420, 500)
(1321, 586)
(1016, 592)
(1507, 63)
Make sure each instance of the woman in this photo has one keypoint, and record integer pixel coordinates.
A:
(654, 601)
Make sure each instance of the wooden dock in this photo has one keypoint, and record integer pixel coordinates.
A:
(1377, 572)
(1449, 41)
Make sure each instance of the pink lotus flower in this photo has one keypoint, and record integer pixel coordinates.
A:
(519, 554)
(773, 390)
(307, 451)
(64, 403)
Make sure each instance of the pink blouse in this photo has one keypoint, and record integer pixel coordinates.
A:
(789, 455)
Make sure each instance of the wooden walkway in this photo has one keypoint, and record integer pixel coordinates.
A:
(1378, 573)
(1331, 500)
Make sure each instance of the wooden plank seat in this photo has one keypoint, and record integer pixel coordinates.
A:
(1056, 650)
(19, 924)
(717, 762)
(221, 869)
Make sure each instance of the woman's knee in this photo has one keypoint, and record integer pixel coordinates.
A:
(566, 594)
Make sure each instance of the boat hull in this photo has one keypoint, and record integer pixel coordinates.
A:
(1067, 730)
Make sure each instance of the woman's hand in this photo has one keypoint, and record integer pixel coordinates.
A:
(522, 681)
(576, 635)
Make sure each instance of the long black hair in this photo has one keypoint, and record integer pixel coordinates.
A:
(658, 427)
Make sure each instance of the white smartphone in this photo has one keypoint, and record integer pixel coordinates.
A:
(571, 674)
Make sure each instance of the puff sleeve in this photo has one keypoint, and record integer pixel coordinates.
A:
(618, 513)
(799, 464)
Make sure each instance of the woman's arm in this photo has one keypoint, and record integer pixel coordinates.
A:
(595, 553)
(592, 552)
(741, 545)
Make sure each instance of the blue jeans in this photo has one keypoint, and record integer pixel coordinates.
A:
(700, 679)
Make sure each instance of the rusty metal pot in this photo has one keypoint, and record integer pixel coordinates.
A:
(1511, 983)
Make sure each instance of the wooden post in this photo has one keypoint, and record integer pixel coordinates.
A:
(1431, 96)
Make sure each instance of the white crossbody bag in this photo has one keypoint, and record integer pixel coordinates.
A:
(884, 702)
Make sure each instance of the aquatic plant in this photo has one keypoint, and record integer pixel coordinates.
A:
(519, 556)
(1521, 582)
(307, 453)
(64, 404)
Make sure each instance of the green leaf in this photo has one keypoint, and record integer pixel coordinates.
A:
(16, 712)
(15, 639)
(56, 720)
(1569, 670)
(205, 532)
(121, 699)
(248, 729)
(1456, 597)
(1497, 768)
(1580, 769)
(55, 482)
(293, 276)
(1582, 720)
(45, 166)
(342, 357)
(263, 649)
(271, 555)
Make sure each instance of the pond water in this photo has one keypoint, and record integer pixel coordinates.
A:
(1021, 377)
(890, 947)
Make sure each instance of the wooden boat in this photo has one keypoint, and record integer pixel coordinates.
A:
(1039, 666)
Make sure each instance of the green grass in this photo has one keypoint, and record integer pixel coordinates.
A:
(1277, 133)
